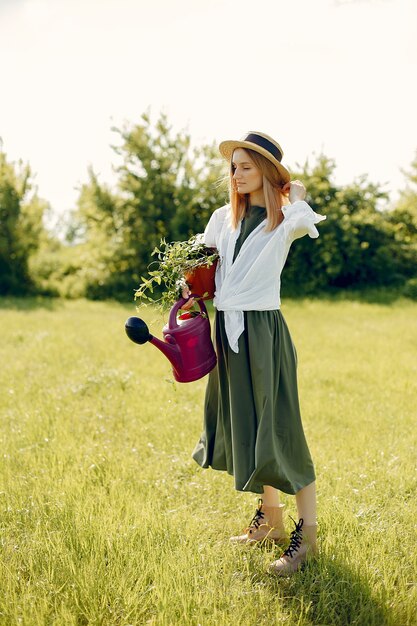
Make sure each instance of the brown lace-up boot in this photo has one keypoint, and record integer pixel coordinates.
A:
(266, 525)
(303, 545)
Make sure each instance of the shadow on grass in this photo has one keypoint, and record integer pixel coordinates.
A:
(376, 295)
(29, 303)
(32, 303)
(327, 592)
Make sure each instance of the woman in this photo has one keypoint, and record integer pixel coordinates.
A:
(252, 422)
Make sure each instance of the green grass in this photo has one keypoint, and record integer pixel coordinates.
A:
(106, 519)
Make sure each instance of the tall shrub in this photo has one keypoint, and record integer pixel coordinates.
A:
(21, 226)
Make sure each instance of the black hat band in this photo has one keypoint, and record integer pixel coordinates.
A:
(264, 143)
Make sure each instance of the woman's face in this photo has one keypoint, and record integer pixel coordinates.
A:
(247, 176)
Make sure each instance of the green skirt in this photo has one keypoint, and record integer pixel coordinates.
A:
(252, 421)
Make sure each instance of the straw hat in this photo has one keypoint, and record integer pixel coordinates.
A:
(261, 143)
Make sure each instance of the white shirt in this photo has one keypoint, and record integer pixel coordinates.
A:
(253, 281)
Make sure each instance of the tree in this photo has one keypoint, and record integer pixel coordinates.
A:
(21, 214)
(166, 189)
(358, 244)
(404, 222)
(404, 215)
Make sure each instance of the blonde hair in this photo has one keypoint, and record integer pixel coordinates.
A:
(272, 188)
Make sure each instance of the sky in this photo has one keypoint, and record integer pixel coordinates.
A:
(320, 76)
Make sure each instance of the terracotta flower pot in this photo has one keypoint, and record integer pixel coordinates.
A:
(201, 280)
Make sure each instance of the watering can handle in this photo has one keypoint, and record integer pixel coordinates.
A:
(172, 321)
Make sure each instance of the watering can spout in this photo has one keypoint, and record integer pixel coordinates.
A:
(138, 332)
(170, 349)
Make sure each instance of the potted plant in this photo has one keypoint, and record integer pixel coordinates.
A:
(180, 263)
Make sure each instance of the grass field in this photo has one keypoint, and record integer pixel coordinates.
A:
(106, 519)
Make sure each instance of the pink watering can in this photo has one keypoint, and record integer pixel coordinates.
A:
(187, 341)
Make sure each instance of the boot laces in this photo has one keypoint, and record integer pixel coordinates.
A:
(295, 538)
(258, 517)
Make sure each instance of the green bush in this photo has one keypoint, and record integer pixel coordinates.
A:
(410, 289)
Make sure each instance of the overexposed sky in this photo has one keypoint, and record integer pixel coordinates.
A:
(337, 76)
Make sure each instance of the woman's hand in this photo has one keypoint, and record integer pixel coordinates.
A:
(185, 294)
(295, 190)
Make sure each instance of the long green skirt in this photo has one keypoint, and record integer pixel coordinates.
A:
(252, 421)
